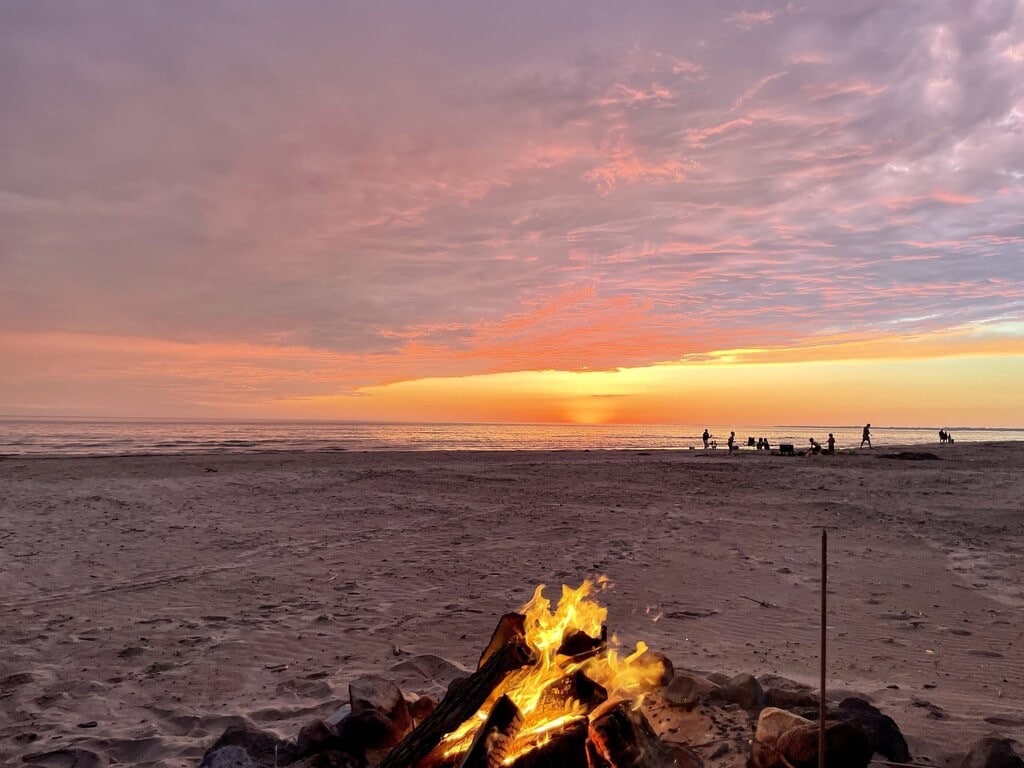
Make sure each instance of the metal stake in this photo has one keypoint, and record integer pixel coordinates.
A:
(821, 694)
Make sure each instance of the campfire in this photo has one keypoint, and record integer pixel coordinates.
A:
(550, 689)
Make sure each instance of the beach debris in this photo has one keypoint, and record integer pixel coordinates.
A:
(934, 710)
(992, 752)
(762, 603)
(690, 614)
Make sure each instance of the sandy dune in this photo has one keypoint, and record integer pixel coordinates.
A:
(146, 603)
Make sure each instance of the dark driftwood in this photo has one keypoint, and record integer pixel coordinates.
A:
(567, 749)
(625, 739)
(463, 699)
(511, 626)
(488, 747)
(579, 645)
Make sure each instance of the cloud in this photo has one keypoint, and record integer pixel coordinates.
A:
(418, 193)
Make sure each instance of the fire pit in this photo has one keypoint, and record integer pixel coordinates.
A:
(550, 689)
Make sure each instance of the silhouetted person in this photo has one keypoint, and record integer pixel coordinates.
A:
(866, 437)
(767, 445)
(732, 440)
(831, 443)
(760, 443)
(815, 446)
(942, 436)
(705, 437)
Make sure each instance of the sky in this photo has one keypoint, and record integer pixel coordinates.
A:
(579, 211)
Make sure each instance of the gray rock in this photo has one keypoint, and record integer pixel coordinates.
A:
(227, 757)
(338, 715)
(784, 693)
(745, 691)
(379, 709)
(846, 746)
(426, 673)
(376, 693)
(688, 690)
(657, 657)
(329, 759)
(882, 731)
(992, 752)
(771, 724)
(264, 749)
(774, 722)
(316, 736)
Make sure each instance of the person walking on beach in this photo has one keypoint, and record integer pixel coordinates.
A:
(831, 443)
(866, 437)
(705, 437)
(732, 440)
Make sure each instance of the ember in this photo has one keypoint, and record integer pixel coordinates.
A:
(554, 692)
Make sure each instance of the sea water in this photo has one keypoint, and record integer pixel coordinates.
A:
(105, 437)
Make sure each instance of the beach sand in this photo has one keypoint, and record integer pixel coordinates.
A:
(148, 602)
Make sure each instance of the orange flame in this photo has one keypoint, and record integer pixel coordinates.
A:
(542, 715)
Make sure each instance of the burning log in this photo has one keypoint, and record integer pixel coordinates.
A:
(624, 739)
(489, 746)
(464, 698)
(579, 645)
(511, 626)
(567, 749)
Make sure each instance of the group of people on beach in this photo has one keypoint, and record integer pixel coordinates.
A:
(763, 444)
(816, 446)
(945, 437)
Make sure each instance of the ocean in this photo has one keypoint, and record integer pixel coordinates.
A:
(114, 437)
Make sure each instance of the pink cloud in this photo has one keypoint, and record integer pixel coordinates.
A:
(952, 198)
(624, 95)
(750, 19)
(819, 91)
(624, 164)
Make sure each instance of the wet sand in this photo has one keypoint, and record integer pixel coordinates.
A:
(148, 602)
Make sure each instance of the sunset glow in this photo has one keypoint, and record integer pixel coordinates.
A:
(588, 213)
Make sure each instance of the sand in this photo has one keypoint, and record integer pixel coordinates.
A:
(148, 602)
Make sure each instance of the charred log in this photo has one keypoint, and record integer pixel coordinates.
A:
(566, 749)
(463, 700)
(624, 739)
(579, 645)
(510, 627)
(578, 687)
(488, 749)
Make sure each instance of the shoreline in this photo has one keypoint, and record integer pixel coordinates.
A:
(164, 601)
(684, 450)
